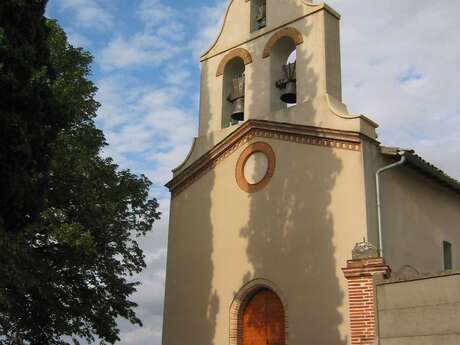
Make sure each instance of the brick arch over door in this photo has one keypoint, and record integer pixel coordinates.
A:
(292, 33)
(238, 52)
(258, 315)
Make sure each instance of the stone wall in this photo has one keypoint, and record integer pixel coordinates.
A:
(419, 309)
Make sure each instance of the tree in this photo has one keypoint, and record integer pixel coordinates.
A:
(29, 120)
(65, 261)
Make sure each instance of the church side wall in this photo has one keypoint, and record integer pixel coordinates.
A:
(296, 233)
(418, 215)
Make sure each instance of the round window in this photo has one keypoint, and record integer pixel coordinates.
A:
(255, 167)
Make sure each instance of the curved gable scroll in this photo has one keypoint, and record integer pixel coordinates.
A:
(238, 52)
(293, 33)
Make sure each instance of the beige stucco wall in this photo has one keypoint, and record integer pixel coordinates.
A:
(420, 312)
(418, 215)
(296, 233)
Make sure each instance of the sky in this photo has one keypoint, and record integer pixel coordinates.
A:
(400, 67)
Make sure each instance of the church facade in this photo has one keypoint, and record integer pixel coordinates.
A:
(282, 182)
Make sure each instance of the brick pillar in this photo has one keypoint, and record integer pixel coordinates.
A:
(360, 272)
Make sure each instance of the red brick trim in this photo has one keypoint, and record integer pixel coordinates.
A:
(240, 301)
(239, 171)
(305, 135)
(361, 298)
(293, 33)
(238, 52)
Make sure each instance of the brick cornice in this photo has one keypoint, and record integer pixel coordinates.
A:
(290, 32)
(241, 53)
(336, 139)
(365, 268)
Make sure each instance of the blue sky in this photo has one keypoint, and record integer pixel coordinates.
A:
(400, 68)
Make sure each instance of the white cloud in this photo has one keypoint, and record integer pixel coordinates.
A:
(77, 39)
(147, 335)
(88, 13)
(413, 85)
(145, 121)
(141, 49)
(158, 42)
(154, 12)
(399, 66)
(177, 77)
(209, 22)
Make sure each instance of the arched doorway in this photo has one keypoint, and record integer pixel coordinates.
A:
(263, 320)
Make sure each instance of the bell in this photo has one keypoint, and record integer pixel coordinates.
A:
(288, 84)
(236, 97)
(238, 109)
(289, 94)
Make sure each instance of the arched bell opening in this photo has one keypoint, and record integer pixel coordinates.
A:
(258, 14)
(283, 74)
(262, 319)
(233, 92)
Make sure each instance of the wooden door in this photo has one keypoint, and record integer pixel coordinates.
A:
(263, 320)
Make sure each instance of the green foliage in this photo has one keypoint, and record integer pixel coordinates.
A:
(70, 247)
(29, 119)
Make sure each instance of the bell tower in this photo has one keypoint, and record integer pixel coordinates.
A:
(269, 55)
(272, 196)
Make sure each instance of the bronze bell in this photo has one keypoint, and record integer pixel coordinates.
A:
(238, 109)
(289, 94)
(237, 98)
(288, 84)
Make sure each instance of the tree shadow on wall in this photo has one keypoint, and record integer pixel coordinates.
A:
(290, 232)
(288, 237)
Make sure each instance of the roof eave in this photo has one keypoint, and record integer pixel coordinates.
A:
(423, 166)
